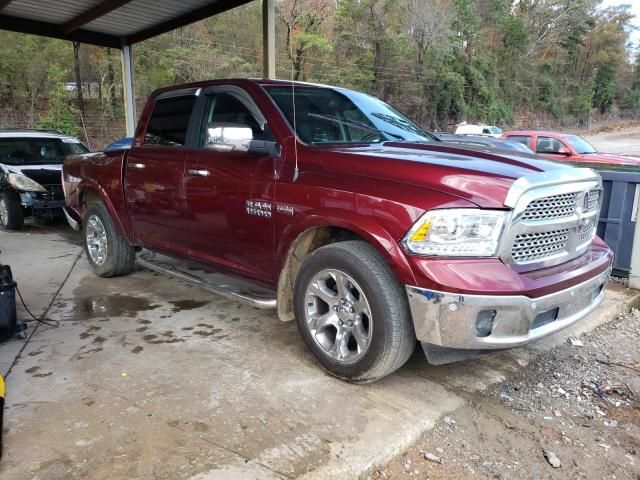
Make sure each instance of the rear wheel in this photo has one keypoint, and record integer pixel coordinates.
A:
(108, 252)
(11, 215)
(352, 312)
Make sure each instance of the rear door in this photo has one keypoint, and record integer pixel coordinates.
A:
(154, 173)
(523, 139)
(230, 194)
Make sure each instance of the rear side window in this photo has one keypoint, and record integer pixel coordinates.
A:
(524, 140)
(169, 121)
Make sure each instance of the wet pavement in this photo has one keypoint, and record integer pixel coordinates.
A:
(148, 377)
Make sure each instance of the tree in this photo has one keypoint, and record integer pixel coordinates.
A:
(305, 21)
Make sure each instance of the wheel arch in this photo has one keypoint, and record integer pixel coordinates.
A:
(318, 231)
(89, 192)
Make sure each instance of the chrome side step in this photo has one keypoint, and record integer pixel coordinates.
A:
(215, 282)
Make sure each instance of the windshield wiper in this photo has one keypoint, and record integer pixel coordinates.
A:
(353, 123)
(400, 123)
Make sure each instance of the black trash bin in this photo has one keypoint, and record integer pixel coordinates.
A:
(7, 303)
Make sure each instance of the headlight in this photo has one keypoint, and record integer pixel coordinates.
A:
(25, 183)
(458, 232)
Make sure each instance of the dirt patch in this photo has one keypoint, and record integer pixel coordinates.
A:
(576, 407)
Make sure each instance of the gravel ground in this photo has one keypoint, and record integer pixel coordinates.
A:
(574, 412)
(624, 141)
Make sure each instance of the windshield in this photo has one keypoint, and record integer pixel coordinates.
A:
(580, 145)
(37, 151)
(324, 115)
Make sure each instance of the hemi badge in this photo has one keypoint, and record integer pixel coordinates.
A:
(285, 209)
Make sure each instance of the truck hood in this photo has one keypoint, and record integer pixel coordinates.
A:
(481, 177)
(610, 158)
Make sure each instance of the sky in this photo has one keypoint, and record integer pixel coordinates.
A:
(635, 8)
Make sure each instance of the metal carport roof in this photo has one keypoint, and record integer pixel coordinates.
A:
(108, 23)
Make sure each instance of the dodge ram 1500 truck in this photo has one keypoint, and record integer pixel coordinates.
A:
(358, 224)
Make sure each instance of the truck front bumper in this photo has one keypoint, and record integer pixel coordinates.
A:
(483, 322)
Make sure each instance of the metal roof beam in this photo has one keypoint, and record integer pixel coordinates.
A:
(36, 27)
(201, 13)
(4, 3)
(92, 14)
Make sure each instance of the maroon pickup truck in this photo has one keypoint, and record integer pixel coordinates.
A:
(347, 217)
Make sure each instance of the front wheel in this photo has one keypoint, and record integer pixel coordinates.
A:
(352, 313)
(108, 252)
(11, 215)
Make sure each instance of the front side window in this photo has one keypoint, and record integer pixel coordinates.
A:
(227, 110)
(549, 145)
(324, 116)
(33, 151)
(169, 121)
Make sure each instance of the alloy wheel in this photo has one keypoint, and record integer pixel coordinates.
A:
(96, 238)
(338, 316)
(4, 212)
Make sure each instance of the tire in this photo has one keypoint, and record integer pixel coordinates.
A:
(11, 215)
(368, 336)
(109, 254)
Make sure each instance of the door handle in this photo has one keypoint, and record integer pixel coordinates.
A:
(137, 166)
(198, 172)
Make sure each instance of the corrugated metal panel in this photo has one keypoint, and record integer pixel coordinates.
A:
(48, 11)
(617, 225)
(141, 14)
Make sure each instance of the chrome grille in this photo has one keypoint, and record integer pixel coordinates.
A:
(594, 199)
(552, 221)
(586, 232)
(529, 247)
(557, 206)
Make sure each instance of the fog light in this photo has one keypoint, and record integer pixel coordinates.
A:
(484, 322)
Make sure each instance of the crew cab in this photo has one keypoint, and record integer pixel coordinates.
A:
(357, 223)
(566, 147)
(30, 164)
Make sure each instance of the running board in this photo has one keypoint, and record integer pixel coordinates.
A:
(212, 281)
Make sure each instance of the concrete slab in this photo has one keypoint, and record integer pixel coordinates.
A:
(147, 377)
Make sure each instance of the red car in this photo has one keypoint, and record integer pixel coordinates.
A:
(566, 147)
(362, 227)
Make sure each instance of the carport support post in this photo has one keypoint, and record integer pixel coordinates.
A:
(634, 274)
(129, 95)
(268, 39)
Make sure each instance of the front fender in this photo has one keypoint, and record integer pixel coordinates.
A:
(367, 228)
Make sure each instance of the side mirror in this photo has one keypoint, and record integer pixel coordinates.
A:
(228, 137)
(564, 151)
(119, 145)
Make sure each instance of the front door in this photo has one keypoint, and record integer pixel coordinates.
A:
(154, 175)
(230, 194)
(553, 148)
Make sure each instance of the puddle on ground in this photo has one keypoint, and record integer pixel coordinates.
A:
(88, 307)
(180, 305)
